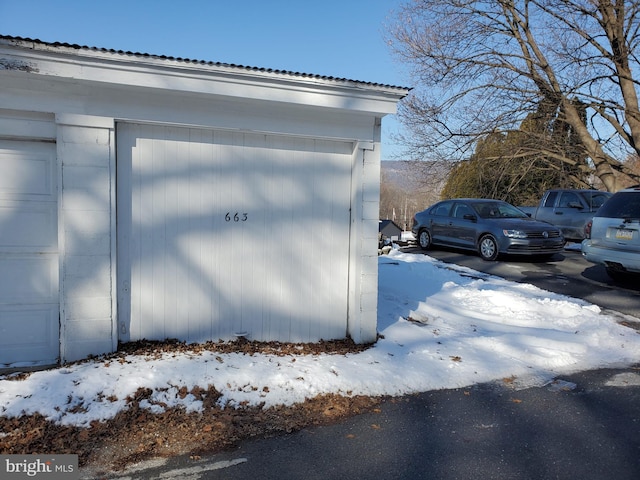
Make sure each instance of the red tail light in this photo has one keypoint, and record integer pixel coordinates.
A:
(587, 229)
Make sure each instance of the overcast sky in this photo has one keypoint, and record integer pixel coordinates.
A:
(338, 38)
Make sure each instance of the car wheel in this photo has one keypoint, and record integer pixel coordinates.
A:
(488, 248)
(424, 239)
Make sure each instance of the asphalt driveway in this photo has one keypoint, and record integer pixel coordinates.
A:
(584, 426)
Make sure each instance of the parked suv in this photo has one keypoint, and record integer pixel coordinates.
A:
(612, 238)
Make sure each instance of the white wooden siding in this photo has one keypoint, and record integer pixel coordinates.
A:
(224, 233)
(29, 270)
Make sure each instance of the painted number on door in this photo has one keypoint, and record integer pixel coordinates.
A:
(236, 217)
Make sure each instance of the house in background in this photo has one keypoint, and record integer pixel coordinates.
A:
(151, 197)
(389, 229)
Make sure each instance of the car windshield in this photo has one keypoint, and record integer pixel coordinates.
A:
(498, 210)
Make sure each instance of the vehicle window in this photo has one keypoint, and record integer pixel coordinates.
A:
(442, 209)
(460, 210)
(551, 199)
(621, 205)
(486, 210)
(509, 211)
(567, 198)
(596, 199)
(498, 210)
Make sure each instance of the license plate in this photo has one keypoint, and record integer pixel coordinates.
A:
(624, 234)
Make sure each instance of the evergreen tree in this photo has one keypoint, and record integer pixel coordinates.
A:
(519, 165)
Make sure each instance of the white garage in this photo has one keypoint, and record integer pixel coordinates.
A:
(152, 198)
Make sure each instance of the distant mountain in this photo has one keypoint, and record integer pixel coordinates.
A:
(401, 173)
(411, 174)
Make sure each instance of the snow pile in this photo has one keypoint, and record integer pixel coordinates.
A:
(443, 326)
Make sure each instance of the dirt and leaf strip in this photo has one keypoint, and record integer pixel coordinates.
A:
(136, 434)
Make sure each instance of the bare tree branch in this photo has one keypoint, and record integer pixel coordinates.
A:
(482, 66)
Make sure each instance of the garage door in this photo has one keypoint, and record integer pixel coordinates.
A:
(222, 234)
(29, 312)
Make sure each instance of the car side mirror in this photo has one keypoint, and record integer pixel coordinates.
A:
(575, 205)
(469, 216)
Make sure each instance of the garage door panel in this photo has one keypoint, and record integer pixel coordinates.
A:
(28, 279)
(28, 226)
(29, 261)
(27, 333)
(233, 233)
(27, 170)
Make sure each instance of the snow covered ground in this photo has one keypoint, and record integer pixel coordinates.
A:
(443, 326)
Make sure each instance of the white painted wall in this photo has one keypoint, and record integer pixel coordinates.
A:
(87, 235)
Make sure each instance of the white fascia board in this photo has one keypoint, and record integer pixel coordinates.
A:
(85, 65)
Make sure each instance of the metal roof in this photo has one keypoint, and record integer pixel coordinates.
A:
(201, 62)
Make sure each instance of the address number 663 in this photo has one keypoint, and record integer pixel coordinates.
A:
(236, 217)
